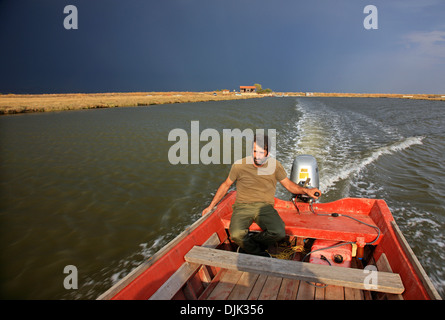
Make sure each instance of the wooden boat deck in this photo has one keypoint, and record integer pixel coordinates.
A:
(215, 274)
(239, 285)
(242, 285)
(246, 277)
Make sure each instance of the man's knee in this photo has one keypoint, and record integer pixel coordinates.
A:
(279, 234)
(277, 231)
(274, 235)
(237, 235)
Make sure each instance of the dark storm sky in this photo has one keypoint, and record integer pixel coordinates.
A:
(187, 45)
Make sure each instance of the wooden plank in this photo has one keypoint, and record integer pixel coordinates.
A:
(383, 265)
(204, 275)
(347, 277)
(225, 285)
(306, 291)
(189, 293)
(206, 293)
(184, 272)
(271, 288)
(258, 287)
(353, 294)
(320, 293)
(334, 293)
(416, 264)
(244, 286)
(196, 284)
(288, 289)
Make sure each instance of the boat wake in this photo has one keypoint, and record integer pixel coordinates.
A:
(344, 142)
(356, 166)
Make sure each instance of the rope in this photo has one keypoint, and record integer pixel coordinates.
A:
(288, 252)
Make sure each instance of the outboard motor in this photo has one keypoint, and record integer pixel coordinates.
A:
(305, 173)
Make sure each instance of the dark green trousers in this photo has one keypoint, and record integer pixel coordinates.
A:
(265, 216)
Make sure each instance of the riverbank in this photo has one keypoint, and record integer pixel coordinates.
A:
(24, 103)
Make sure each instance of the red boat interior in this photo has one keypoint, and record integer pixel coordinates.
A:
(362, 231)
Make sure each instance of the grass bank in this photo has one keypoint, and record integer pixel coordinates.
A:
(21, 103)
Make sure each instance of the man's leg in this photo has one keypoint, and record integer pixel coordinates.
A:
(272, 225)
(242, 217)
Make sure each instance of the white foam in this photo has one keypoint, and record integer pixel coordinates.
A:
(356, 166)
(116, 277)
(336, 140)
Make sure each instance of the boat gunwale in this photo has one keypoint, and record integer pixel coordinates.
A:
(133, 276)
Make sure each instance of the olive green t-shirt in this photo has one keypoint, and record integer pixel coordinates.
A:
(256, 184)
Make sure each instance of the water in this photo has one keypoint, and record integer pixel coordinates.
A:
(95, 189)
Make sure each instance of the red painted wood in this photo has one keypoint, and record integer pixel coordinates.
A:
(303, 224)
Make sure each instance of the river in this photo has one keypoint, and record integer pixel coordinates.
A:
(95, 189)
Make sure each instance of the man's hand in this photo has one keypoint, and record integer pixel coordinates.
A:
(311, 192)
(207, 210)
(294, 188)
(222, 190)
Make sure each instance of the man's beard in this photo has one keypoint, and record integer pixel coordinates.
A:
(260, 162)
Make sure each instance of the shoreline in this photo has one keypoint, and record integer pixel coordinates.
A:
(30, 103)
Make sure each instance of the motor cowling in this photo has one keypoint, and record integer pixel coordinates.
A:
(304, 172)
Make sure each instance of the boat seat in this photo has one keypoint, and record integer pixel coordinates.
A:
(309, 225)
(330, 275)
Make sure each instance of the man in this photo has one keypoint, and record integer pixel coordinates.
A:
(256, 180)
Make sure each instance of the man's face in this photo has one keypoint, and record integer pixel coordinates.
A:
(259, 155)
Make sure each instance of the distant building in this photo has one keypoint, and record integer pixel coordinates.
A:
(247, 89)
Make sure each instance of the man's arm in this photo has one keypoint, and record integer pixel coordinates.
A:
(294, 188)
(220, 193)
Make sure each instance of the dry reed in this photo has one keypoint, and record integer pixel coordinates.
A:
(12, 103)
